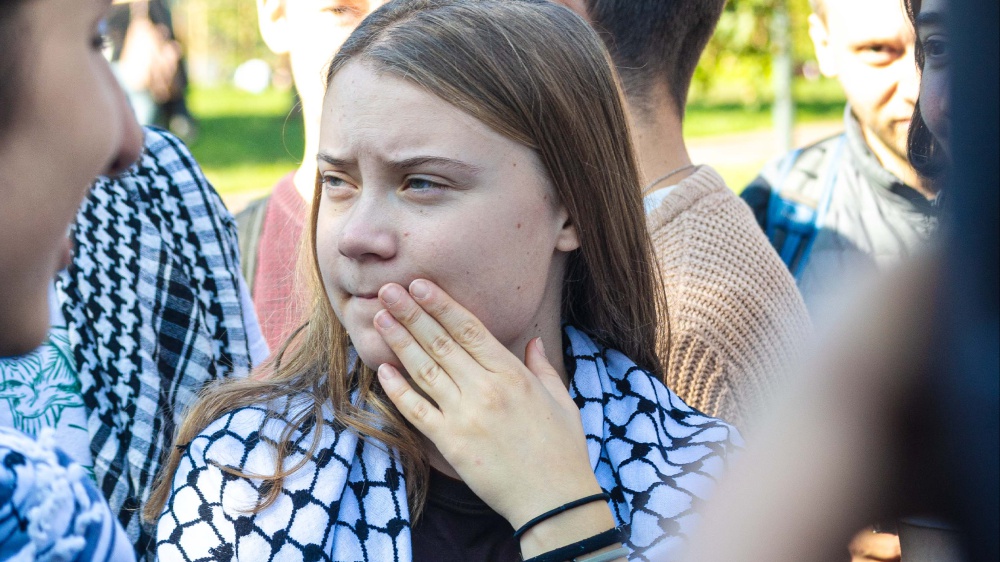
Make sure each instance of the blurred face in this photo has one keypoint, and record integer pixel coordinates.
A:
(311, 32)
(934, 97)
(868, 46)
(412, 187)
(73, 124)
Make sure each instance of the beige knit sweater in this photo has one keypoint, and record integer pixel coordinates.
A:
(735, 315)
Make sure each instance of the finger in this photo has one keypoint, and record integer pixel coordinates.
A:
(463, 326)
(537, 362)
(427, 332)
(414, 407)
(426, 372)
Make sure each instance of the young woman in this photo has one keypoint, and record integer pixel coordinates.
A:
(63, 121)
(927, 144)
(471, 152)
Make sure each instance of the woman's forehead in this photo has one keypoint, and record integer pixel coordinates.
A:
(372, 113)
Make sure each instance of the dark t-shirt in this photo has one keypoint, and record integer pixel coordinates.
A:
(457, 526)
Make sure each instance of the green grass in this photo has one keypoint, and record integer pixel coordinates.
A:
(819, 100)
(246, 142)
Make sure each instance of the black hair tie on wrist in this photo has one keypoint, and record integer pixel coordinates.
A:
(586, 546)
(552, 513)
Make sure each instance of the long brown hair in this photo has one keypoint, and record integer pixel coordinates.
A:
(532, 71)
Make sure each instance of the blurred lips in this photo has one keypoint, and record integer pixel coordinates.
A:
(65, 253)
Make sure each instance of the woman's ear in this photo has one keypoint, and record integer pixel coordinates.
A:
(273, 25)
(567, 239)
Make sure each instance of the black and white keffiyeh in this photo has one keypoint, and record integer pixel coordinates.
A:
(152, 305)
(653, 454)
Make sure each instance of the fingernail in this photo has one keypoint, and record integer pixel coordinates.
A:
(384, 319)
(541, 348)
(420, 289)
(385, 372)
(391, 294)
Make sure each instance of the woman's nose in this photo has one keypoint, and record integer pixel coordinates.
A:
(367, 231)
(131, 143)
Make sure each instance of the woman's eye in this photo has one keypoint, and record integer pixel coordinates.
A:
(935, 48)
(334, 183)
(421, 184)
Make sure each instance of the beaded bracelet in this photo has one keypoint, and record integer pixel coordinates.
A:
(596, 542)
(552, 513)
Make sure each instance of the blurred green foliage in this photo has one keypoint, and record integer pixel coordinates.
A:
(737, 61)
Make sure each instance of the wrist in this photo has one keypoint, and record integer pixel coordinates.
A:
(568, 527)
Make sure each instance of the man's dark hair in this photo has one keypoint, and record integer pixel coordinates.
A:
(655, 41)
(11, 52)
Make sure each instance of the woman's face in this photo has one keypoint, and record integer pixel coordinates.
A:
(72, 124)
(932, 33)
(412, 188)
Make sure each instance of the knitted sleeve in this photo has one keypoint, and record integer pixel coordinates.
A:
(736, 318)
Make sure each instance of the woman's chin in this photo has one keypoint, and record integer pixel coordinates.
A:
(373, 351)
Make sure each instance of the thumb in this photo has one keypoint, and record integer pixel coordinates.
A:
(538, 364)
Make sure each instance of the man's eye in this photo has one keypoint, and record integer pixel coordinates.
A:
(345, 11)
(877, 53)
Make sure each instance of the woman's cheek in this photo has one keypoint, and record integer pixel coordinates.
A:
(934, 104)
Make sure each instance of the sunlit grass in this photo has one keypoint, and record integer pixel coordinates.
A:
(245, 142)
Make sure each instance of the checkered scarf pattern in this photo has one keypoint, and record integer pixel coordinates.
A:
(654, 455)
(153, 308)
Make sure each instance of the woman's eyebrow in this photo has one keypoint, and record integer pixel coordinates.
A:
(417, 161)
(334, 161)
(930, 19)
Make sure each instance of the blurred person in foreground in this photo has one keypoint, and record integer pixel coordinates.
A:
(148, 309)
(734, 314)
(851, 205)
(899, 416)
(51, 148)
(270, 229)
